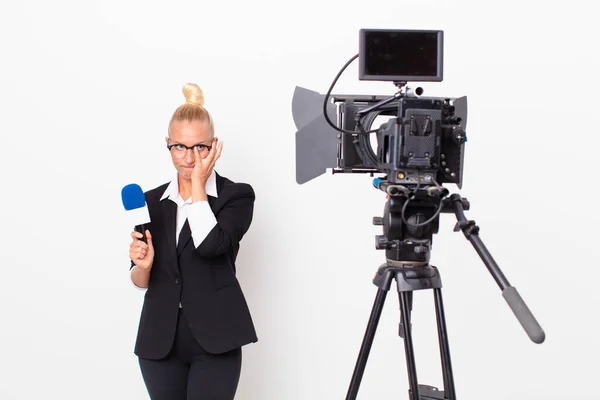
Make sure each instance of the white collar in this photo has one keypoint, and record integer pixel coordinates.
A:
(172, 191)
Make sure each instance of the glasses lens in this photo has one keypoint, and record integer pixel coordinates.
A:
(178, 151)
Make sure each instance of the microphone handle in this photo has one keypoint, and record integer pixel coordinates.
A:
(142, 229)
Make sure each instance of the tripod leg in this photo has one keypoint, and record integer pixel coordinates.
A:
(405, 299)
(410, 305)
(449, 390)
(365, 348)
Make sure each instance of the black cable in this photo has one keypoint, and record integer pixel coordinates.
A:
(328, 95)
(408, 199)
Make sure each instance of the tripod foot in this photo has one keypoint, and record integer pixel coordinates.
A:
(430, 393)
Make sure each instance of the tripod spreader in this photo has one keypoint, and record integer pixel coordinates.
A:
(510, 294)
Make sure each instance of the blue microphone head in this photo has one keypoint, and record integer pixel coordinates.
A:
(133, 197)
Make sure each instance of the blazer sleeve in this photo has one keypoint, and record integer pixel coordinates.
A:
(233, 221)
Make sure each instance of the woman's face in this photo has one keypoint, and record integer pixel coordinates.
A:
(188, 134)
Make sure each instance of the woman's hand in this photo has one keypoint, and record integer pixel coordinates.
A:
(204, 166)
(141, 254)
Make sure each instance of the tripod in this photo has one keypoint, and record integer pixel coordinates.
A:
(410, 219)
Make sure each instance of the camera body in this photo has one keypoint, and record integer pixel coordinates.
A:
(423, 141)
(421, 144)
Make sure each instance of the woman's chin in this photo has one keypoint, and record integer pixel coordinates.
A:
(186, 173)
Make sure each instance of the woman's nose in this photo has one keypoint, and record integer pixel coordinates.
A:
(189, 156)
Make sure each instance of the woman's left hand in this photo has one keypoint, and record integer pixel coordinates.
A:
(204, 166)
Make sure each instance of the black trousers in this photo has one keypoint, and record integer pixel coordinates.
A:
(191, 373)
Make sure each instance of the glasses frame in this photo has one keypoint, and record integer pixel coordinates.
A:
(208, 147)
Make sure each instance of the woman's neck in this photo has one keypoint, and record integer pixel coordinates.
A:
(185, 187)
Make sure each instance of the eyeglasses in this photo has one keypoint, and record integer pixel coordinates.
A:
(180, 150)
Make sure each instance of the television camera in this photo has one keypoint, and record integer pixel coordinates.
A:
(419, 148)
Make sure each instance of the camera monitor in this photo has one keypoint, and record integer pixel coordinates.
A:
(401, 55)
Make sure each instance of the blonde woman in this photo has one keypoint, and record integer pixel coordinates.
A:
(195, 318)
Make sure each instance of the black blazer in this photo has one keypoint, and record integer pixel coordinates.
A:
(202, 278)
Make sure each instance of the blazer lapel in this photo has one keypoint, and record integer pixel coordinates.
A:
(212, 201)
(186, 234)
(170, 221)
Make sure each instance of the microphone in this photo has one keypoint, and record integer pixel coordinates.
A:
(134, 202)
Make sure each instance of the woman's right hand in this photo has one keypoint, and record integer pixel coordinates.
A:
(141, 254)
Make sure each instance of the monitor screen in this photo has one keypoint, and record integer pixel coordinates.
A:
(400, 55)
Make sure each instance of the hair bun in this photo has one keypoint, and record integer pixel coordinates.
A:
(193, 94)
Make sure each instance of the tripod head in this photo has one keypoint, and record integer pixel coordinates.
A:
(410, 219)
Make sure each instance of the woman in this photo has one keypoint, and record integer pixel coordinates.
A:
(195, 318)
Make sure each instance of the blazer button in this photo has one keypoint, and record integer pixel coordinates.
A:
(177, 281)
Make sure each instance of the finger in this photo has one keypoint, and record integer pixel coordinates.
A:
(142, 246)
(214, 152)
(216, 149)
(211, 153)
(136, 235)
(219, 149)
(137, 255)
(149, 239)
(217, 154)
(135, 247)
(197, 157)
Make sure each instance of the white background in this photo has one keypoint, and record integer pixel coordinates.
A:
(87, 89)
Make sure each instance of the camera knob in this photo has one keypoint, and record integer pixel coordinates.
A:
(420, 249)
(377, 221)
(460, 136)
(381, 242)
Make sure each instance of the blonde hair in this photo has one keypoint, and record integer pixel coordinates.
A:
(193, 108)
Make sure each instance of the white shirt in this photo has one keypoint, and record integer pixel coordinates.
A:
(199, 214)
